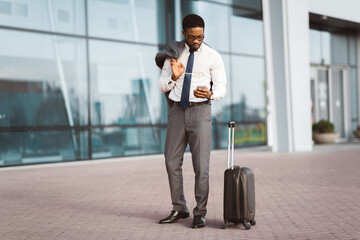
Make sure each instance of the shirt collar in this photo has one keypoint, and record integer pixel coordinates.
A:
(187, 48)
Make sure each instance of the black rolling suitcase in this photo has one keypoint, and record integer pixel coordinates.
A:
(239, 190)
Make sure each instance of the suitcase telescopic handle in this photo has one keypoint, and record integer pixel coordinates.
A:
(230, 153)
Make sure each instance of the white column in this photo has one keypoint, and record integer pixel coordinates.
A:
(271, 110)
(286, 24)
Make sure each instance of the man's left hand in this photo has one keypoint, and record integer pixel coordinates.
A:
(202, 92)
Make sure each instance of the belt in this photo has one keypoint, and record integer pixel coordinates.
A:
(192, 104)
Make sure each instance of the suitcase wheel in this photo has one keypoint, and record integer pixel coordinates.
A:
(247, 225)
(224, 226)
(253, 222)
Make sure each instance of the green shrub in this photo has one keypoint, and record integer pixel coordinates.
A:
(323, 126)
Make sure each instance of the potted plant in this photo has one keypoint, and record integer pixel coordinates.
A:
(357, 132)
(323, 132)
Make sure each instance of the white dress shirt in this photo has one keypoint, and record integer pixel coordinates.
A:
(208, 66)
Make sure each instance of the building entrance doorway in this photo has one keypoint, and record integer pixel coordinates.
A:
(329, 97)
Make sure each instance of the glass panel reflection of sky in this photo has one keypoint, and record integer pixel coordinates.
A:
(216, 28)
(41, 75)
(221, 109)
(244, 34)
(248, 88)
(320, 49)
(315, 46)
(43, 71)
(339, 48)
(247, 36)
(352, 49)
(234, 34)
(125, 20)
(66, 16)
(353, 93)
(124, 83)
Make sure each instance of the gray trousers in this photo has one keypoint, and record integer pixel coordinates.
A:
(193, 127)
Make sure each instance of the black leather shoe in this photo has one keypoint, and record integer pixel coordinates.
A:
(174, 216)
(198, 222)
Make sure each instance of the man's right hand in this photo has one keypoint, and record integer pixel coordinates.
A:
(177, 69)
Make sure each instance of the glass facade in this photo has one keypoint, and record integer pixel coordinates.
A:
(337, 49)
(78, 78)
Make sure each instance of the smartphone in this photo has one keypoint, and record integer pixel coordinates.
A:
(201, 86)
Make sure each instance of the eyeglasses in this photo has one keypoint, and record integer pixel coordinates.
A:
(192, 38)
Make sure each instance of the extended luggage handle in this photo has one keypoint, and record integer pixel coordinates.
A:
(231, 126)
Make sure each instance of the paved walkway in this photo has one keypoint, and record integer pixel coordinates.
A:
(298, 196)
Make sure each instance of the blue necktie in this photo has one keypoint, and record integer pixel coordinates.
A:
(184, 102)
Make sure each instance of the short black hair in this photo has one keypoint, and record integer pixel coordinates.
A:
(192, 21)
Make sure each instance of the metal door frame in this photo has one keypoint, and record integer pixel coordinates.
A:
(346, 94)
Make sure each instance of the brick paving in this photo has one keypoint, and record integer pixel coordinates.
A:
(298, 196)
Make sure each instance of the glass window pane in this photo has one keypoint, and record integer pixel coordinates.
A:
(42, 146)
(125, 20)
(253, 134)
(354, 94)
(124, 81)
(66, 16)
(352, 49)
(248, 89)
(325, 38)
(315, 46)
(247, 35)
(221, 109)
(216, 28)
(42, 80)
(339, 48)
(249, 4)
(223, 1)
(117, 142)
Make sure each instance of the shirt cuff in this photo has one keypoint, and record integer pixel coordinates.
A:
(170, 81)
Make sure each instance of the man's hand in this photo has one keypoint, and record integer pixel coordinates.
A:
(202, 92)
(177, 69)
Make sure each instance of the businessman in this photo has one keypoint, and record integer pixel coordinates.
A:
(192, 75)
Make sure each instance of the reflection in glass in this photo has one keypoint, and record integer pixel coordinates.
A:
(43, 77)
(118, 142)
(246, 35)
(65, 16)
(220, 109)
(352, 49)
(322, 105)
(354, 94)
(339, 48)
(315, 46)
(251, 134)
(248, 89)
(336, 100)
(124, 19)
(255, 5)
(42, 146)
(320, 49)
(216, 28)
(124, 82)
(325, 47)
(42, 80)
